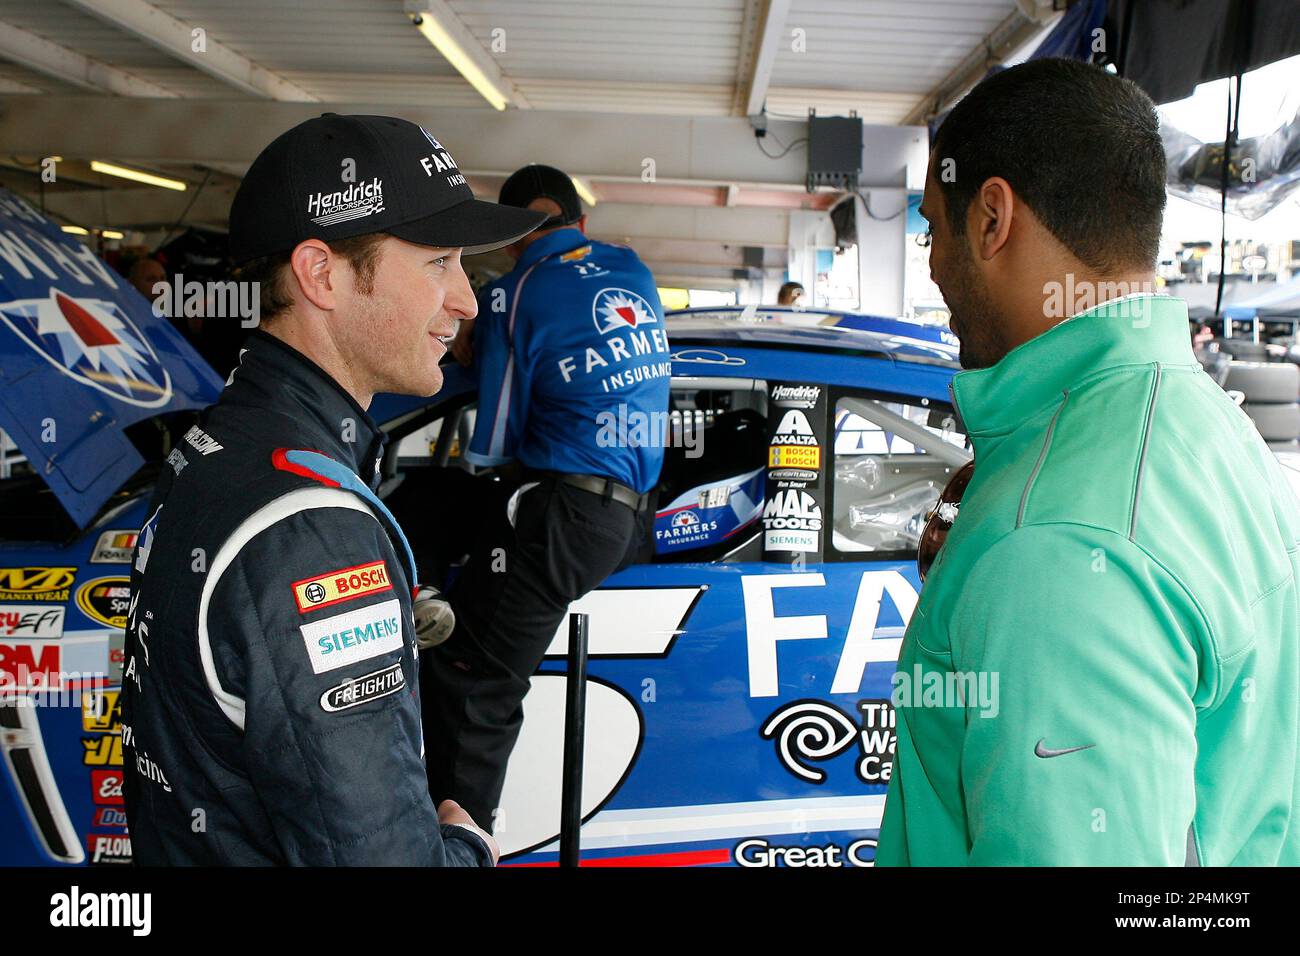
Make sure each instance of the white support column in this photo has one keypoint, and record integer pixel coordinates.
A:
(882, 255)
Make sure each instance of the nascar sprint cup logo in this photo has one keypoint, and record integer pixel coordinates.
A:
(359, 199)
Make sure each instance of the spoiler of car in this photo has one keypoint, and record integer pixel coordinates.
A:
(82, 358)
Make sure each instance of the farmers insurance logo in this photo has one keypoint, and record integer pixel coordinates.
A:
(616, 310)
(92, 342)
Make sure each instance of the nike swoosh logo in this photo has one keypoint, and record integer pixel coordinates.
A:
(1041, 751)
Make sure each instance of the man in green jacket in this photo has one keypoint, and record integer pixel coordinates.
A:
(1122, 573)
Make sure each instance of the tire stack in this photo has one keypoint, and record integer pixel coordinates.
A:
(1272, 390)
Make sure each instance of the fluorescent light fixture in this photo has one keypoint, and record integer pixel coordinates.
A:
(584, 191)
(136, 175)
(458, 58)
(76, 230)
(111, 234)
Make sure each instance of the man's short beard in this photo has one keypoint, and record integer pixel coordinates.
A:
(974, 312)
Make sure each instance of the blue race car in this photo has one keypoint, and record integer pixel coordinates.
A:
(738, 703)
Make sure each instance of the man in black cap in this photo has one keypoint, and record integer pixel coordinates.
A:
(573, 368)
(271, 712)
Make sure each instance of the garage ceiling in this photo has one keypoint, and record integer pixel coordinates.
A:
(619, 62)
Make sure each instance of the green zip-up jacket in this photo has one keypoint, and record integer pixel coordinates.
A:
(1103, 667)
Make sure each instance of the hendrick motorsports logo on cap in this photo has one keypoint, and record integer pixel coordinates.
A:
(359, 199)
(93, 342)
(616, 310)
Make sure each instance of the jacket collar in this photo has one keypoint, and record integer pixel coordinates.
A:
(1132, 330)
(275, 376)
(561, 240)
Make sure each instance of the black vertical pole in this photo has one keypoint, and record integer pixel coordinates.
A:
(574, 733)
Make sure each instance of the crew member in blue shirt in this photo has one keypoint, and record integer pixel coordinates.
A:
(573, 369)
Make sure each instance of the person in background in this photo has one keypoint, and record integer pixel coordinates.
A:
(567, 343)
(790, 294)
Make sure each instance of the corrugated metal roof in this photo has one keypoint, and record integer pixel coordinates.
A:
(878, 57)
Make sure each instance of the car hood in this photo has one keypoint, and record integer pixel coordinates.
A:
(82, 358)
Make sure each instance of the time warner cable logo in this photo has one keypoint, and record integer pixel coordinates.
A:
(77, 909)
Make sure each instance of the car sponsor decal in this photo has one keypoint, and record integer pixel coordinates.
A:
(101, 712)
(817, 730)
(356, 691)
(335, 587)
(93, 342)
(796, 396)
(106, 600)
(31, 620)
(36, 584)
(109, 817)
(106, 787)
(103, 751)
(114, 547)
(353, 636)
(29, 666)
(108, 848)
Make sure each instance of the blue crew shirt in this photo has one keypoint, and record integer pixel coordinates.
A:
(573, 363)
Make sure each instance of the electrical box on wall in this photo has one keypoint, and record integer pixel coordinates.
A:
(834, 151)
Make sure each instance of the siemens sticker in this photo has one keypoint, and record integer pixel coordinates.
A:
(353, 636)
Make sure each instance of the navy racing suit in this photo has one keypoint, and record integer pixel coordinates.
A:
(270, 701)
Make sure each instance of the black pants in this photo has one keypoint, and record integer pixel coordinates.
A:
(509, 599)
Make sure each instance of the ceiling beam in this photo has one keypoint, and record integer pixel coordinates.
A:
(1006, 38)
(769, 38)
(39, 54)
(175, 38)
(229, 135)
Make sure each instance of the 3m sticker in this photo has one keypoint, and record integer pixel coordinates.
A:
(353, 636)
(335, 587)
(362, 690)
(792, 456)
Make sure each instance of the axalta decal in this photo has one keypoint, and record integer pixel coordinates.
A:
(36, 584)
(93, 342)
(632, 336)
(106, 600)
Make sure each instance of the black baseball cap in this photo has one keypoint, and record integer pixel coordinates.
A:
(536, 181)
(334, 177)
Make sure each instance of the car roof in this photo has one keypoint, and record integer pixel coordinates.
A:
(818, 330)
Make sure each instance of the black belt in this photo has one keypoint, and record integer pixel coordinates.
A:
(607, 488)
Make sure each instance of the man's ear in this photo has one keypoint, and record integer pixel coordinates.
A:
(988, 220)
(311, 263)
